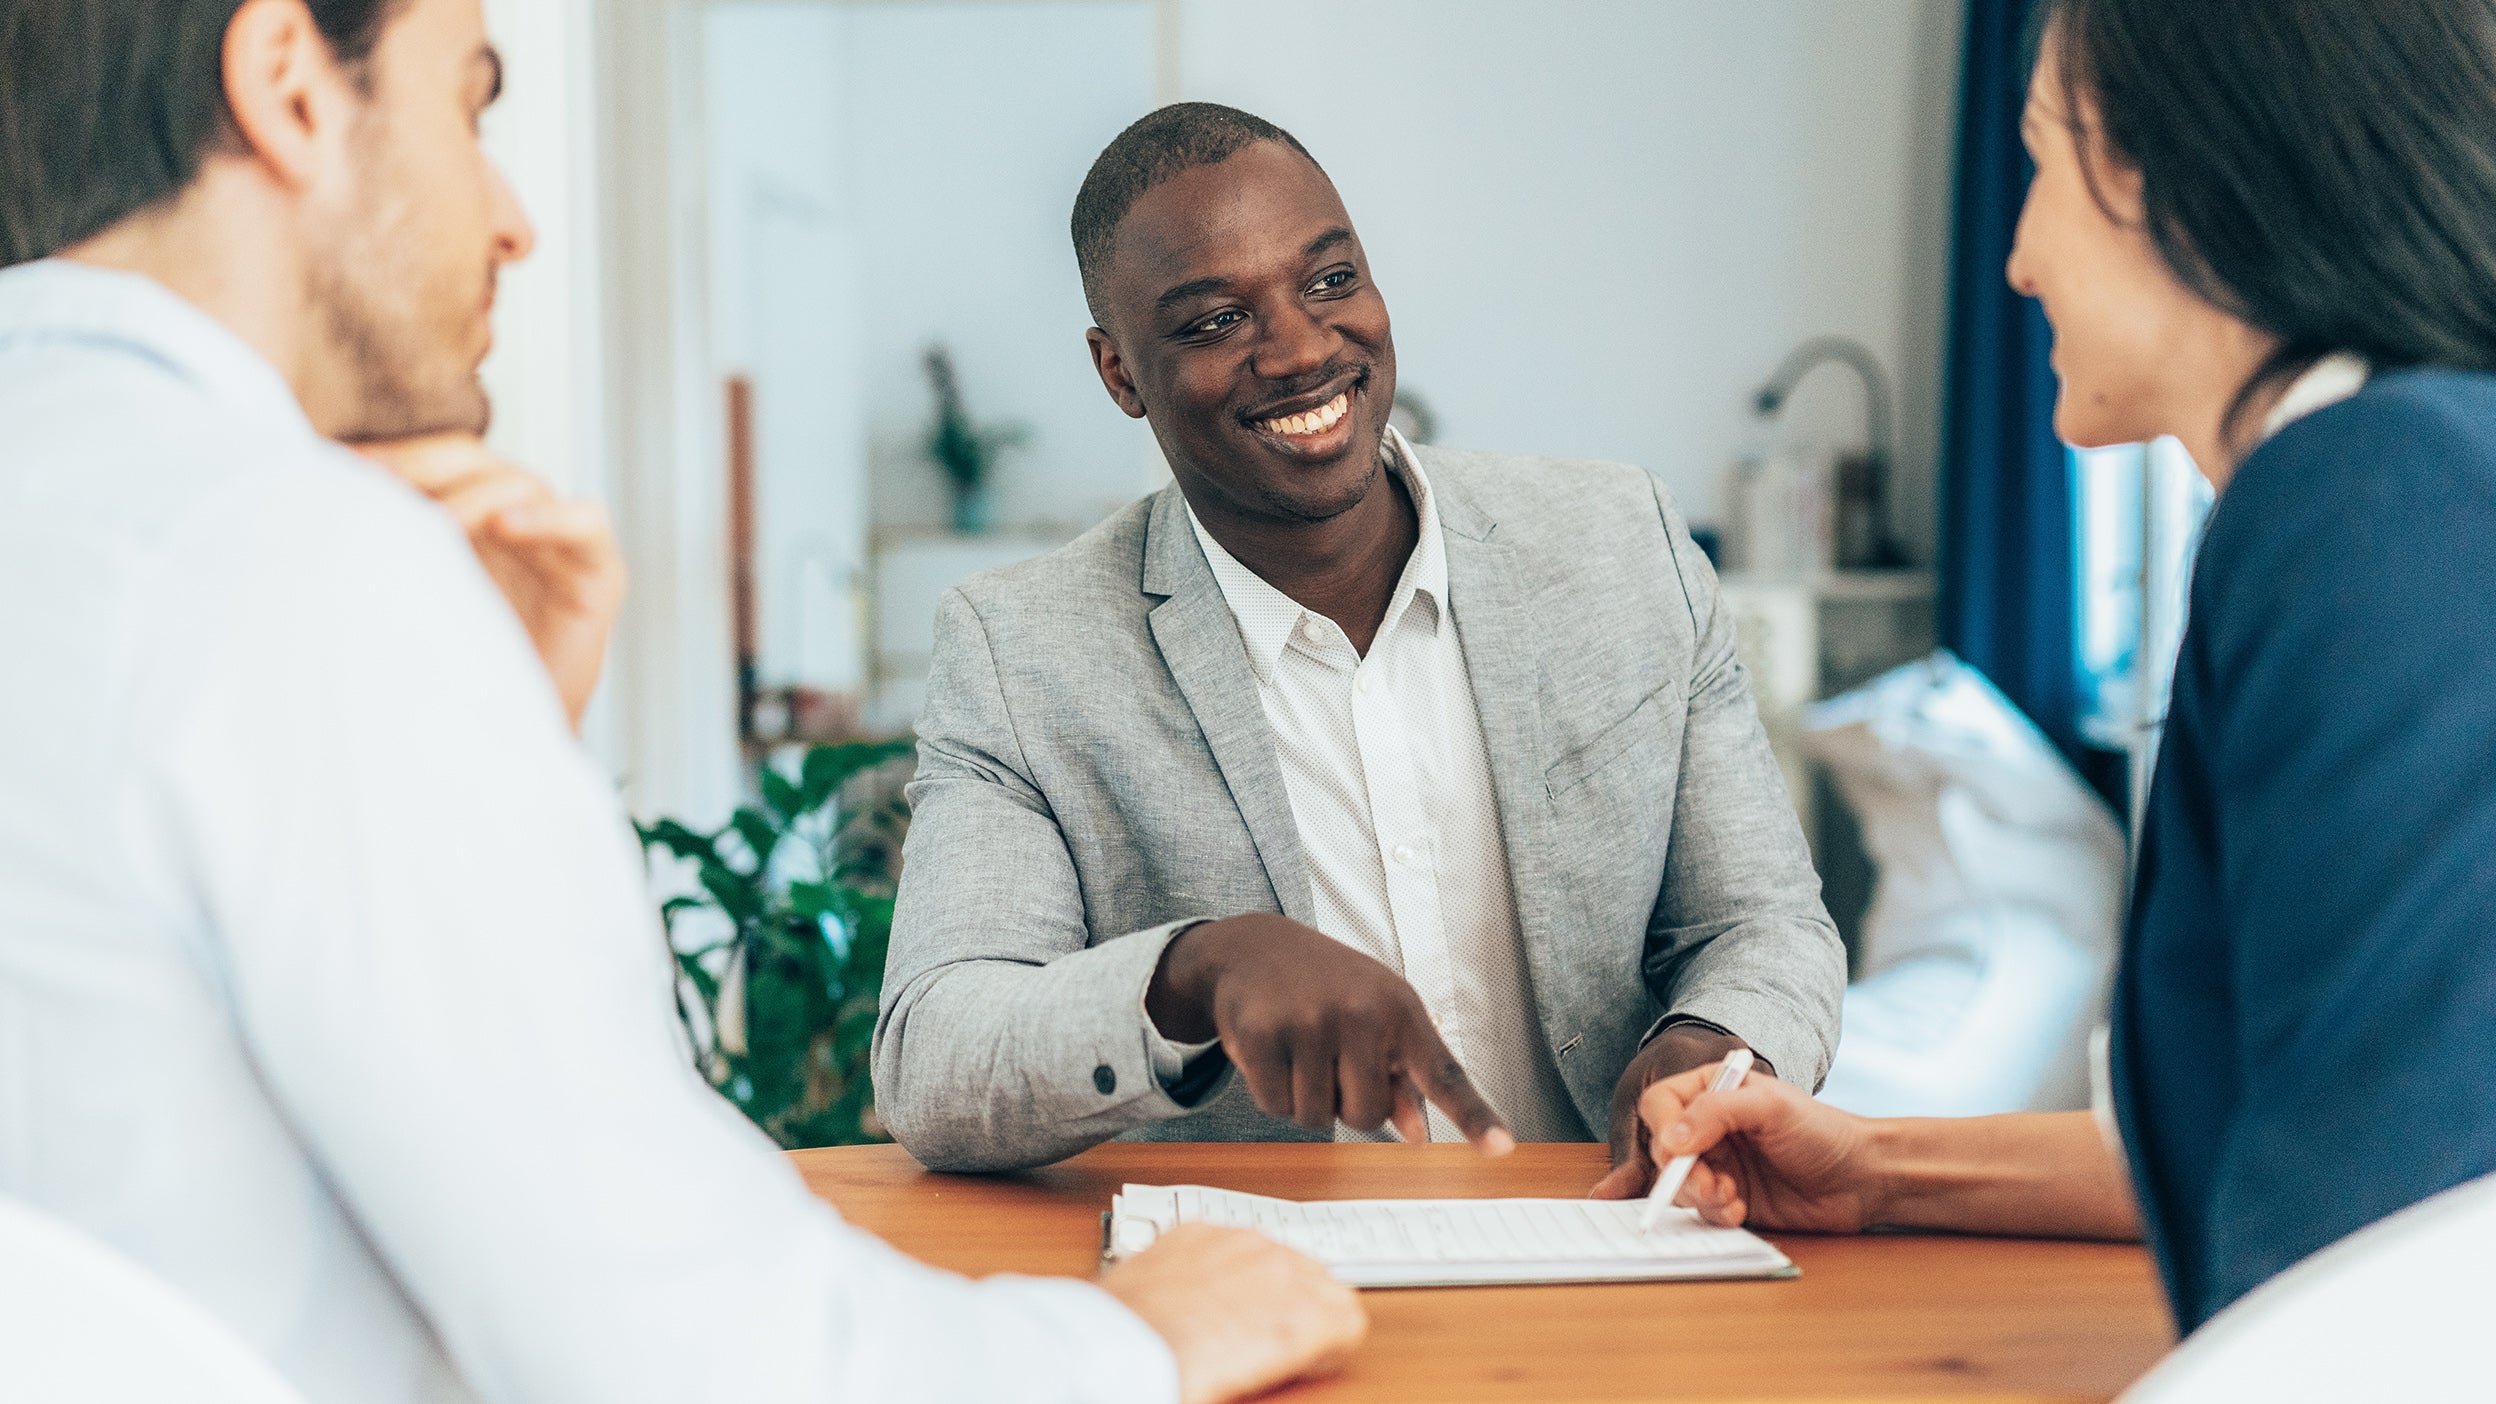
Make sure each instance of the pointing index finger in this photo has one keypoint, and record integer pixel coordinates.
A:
(1442, 1079)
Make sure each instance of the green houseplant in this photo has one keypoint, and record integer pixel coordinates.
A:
(967, 452)
(780, 951)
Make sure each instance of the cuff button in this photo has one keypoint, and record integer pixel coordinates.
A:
(1105, 1078)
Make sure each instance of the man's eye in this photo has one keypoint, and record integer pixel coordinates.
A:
(1333, 281)
(1221, 321)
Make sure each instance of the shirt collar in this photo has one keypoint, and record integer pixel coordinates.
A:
(1268, 617)
(2325, 383)
(58, 302)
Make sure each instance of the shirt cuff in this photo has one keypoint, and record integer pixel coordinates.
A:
(1767, 1025)
(1178, 1067)
(1692, 1021)
(1170, 1060)
(1671, 1021)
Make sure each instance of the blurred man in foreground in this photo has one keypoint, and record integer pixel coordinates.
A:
(328, 988)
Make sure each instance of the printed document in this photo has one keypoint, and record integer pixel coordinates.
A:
(1456, 1242)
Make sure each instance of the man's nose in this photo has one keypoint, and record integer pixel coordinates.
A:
(514, 237)
(1295, 343)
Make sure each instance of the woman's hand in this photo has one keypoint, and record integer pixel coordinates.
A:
(555, 559)
(1768, 1155)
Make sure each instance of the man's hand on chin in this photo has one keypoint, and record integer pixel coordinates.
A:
(1676, 1050)
(554, 558)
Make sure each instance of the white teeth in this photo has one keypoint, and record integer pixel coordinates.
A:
(1316, 421)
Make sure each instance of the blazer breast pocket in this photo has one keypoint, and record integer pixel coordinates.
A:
(1615, 745)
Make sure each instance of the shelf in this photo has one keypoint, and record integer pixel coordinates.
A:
(1869, 586)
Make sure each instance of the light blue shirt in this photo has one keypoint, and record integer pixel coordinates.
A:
(329, 989)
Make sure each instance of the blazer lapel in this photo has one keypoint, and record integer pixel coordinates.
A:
(1199, 641)
(1502, 648)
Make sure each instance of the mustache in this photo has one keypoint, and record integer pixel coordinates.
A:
(1300, 387)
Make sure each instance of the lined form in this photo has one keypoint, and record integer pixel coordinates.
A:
(1453, 1242)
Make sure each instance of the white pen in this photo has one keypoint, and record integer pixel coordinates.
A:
(1668, 1184)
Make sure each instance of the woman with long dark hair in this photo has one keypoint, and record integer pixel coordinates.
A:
(2268, 228)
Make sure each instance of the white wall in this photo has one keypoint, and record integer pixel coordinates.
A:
(672, 668)
(882, 178)
(545, 376)
(596, 372)
(970, 126)
(1601, 223)
(785, 275)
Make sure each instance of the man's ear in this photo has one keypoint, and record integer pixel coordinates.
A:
(1114, 376)
(288, 96)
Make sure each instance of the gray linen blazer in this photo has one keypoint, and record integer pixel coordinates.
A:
(1095, 771)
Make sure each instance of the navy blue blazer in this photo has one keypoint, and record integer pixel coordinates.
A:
(2305, 1023)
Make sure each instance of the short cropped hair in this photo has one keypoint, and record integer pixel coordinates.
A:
(108, 107)
(1160, 145)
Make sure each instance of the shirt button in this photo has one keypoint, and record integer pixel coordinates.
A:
(1361, 683)
(1313, 631)
(1105, 1078)
(1404, 854)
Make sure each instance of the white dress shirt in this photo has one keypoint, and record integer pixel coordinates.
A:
(1390, 785)
(329, 989)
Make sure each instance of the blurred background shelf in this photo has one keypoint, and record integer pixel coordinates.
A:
(910, 569)
(1805, 638)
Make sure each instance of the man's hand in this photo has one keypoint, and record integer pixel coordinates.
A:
(555, 559)
(1322, 1032)
(1675, 1050)
(1767, 1152)
(1242, 1313)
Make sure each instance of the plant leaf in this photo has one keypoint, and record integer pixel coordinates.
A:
(782, 796)
(810, 947)
(699, 976)
(816, 900)
(738, 894)
(759, 833)
(681, 841)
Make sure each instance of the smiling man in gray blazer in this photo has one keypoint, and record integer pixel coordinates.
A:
(1342, 783)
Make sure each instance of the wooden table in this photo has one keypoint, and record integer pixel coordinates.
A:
(1886, 1317)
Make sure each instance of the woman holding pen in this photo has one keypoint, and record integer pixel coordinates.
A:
(2268, 228)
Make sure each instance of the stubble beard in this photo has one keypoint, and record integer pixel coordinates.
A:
(388, 320)
(1295, 509)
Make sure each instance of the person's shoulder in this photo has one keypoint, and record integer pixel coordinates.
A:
(2406, 432)
(172, 471)
(2383, 503)
(1533, 499)
(317, 549)
(1099, 572)
(2452, 401)
(320, 510)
